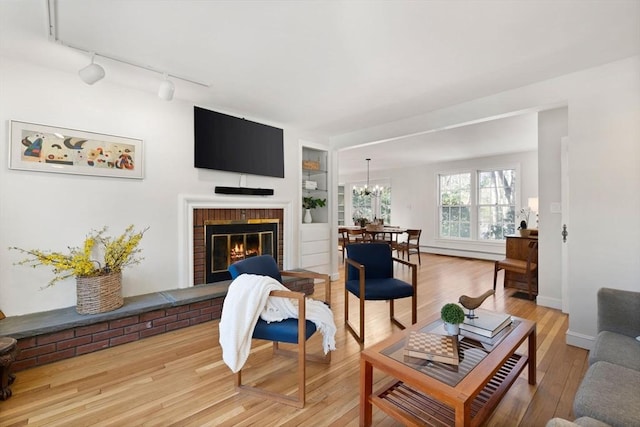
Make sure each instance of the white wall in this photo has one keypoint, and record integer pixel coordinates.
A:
(53, 211)
(604, 194)
(604, 172)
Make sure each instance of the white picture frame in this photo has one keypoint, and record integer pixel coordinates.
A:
(44, 148)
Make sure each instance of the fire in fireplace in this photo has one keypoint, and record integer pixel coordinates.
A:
(228, 241)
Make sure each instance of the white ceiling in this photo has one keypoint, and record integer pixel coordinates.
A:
(332, 67)
(509, 135)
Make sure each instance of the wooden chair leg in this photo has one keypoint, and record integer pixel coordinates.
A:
(298, 401)
(495, 274)
(529, 285)
(359, 336)
(396, 321)
(414, 309)
(362, 302)
(346, 306)
(302, 369)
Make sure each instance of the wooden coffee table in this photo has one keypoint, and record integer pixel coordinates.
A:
(425, 393)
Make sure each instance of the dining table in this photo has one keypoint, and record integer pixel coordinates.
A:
(372, 233)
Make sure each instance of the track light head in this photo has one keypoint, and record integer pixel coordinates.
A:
(166, 89)
(91, 73)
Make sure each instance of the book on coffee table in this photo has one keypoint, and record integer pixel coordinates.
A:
(487, 323)
(432, 347)
(488, 343)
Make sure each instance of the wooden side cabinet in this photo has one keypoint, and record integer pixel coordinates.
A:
(518, 248)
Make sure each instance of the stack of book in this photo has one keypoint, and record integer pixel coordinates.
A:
(486, 324)
(432, 347)
(310, 185)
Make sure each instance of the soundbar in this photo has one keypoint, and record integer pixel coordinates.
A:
(245, 191)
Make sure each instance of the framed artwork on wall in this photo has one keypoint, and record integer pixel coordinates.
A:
(44, 148)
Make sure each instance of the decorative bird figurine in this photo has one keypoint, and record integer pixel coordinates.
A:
(471, 303)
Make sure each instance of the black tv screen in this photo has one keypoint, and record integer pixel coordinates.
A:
(232, 144)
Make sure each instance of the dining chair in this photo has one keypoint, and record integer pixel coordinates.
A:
(343, 239)
(390, 235)
(369, 276)
(294, 331)
(410, 246)
(356, 235)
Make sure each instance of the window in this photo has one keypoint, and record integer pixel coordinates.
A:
(455, 206)
(496, 204)
(375, 205)
(487, 213)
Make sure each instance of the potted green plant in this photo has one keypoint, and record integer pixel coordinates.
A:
(309, 203)
(97, 267)
(452, 315)
(361, 221)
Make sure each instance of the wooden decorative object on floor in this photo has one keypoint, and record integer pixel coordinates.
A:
(8, 352)
(2, 316)
(99, 294)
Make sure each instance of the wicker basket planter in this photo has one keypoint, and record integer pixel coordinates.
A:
(99, 294)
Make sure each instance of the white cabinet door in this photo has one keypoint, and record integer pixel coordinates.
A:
(315, 248)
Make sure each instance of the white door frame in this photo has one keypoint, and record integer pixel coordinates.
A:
(564, 192)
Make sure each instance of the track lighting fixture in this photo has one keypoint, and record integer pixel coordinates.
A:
(92, 72)
(166, 89)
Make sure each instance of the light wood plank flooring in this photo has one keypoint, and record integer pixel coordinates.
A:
(179, 379)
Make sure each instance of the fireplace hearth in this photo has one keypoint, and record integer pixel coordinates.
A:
(228, 241)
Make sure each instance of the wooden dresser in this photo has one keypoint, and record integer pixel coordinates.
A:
(518, 248)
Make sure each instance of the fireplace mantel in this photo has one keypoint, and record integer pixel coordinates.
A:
(188, 203)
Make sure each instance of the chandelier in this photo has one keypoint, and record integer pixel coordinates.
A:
(366, 190)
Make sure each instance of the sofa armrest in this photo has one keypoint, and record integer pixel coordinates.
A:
(619, 311)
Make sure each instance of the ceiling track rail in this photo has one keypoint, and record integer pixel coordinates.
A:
(53, 37)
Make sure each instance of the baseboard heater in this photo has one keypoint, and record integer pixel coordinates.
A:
(246, 191)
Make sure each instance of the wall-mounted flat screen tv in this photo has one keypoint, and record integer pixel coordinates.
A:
(233, 144)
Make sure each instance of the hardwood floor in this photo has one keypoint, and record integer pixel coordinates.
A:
(179, 379)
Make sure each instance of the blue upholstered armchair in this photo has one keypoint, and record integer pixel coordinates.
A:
(369, 276)
(294, 331)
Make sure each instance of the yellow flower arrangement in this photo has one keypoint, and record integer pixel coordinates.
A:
(118, 253)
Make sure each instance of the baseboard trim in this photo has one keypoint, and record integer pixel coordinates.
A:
(579, 340)
(549, 302)
(462, 253)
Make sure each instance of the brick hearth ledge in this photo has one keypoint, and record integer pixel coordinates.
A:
(60, 334)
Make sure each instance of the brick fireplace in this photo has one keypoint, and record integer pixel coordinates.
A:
(204, 217)
(41, 340)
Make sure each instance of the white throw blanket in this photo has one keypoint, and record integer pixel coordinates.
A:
(247, 299)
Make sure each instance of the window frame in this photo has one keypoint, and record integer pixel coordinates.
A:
(479, 205)
(386, 183)
(474, 171)
(440, 206)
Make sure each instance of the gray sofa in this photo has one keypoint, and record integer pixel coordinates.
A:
(609, 393)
